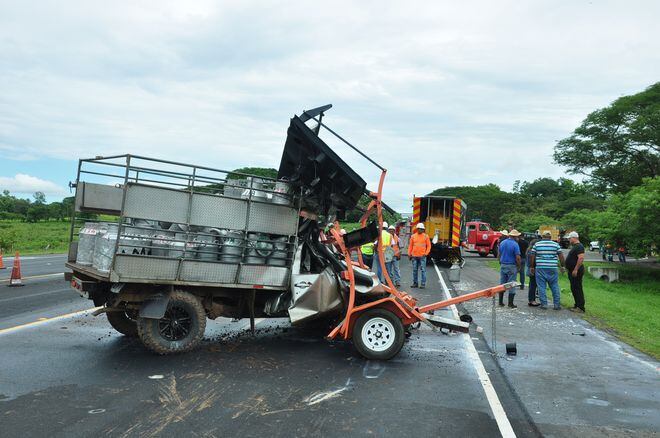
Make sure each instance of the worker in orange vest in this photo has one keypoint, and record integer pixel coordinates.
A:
(396, 273)
(418, 249)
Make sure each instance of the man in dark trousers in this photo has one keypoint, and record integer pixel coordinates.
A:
(531, 292)
(523, 244)
(509, 256)
(575, 268)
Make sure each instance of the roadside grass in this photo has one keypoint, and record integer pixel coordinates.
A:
(34, 237)
(629, 308)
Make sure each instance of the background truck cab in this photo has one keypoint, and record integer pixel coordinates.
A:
(481, 238)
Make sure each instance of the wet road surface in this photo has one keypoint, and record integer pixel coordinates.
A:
(84, 378)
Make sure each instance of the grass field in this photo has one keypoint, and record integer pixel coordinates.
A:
(34, 238)
(629, 308)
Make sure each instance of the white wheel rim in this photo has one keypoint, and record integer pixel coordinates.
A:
(378, 334)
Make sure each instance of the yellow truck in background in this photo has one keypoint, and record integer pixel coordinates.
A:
(554, 231)
(444, 220)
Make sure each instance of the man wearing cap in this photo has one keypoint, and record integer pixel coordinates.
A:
(418, 248)
(395, 273)
(575, 268)
(546, 254)
(509, 255)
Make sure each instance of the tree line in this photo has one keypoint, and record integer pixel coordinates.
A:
(33, 210)
(617, 150)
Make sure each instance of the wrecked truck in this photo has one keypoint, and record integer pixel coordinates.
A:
(160, 246)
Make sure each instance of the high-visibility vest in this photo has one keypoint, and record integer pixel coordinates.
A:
(395, 245)
(367, 248)
(386, 238)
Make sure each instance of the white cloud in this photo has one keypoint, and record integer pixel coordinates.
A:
(22, 183)
(439, 92)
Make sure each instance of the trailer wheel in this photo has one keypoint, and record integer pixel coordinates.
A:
(180, 330)
(124, 322)
(378, 334)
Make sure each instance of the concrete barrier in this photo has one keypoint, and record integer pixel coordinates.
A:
(604, 273)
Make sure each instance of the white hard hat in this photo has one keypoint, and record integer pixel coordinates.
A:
(573, 234)
(420, 226)
(384, 224)
(391, 227)
(342, 231)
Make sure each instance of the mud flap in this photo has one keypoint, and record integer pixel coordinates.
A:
(155, 306)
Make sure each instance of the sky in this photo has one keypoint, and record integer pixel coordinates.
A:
(440, 93)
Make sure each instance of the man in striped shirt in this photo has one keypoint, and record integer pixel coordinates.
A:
(546, 255)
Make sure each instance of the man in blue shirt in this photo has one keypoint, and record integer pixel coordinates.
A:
(546, 255)
(509, 255)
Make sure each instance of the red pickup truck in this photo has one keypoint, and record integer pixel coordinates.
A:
(481, 238)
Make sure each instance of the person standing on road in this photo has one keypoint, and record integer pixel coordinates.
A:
(523, 244)
(546, 254)
(386, 241)
(575, 268)
(367, 251)
(396, 273)
(531, 291)
(418, 248)
(509, 255)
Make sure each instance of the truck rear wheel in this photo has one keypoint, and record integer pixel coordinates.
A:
(483, 254)
(378, 334)
(124, 322)
(181, 329)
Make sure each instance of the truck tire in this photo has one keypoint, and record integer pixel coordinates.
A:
(483, 254)
(378, 334)
(123, 322)
(180, 330)
(495, 251)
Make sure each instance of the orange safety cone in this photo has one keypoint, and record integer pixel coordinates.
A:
(16, 279)
(2, 264)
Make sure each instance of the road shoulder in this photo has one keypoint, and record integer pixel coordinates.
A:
(572, 378)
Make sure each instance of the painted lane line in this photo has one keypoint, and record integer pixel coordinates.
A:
(57, 256)
(32, 277)
(46, 321)
(491, 395)
(23, 297)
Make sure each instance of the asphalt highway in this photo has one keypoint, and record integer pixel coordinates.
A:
(83, 378)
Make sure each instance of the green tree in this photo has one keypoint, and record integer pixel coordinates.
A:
(39, 198)
(639, 211)
(616, 146)
(525, 222)
(487, 202)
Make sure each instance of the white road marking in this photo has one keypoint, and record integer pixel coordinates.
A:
(36, 276)
(57, 256)
(491, 395)
(22, 297)
(45, 321)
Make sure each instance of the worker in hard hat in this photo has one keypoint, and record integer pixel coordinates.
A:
(386, 240)
(418, 248)
(395, 273)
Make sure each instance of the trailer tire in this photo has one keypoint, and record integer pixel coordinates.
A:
(180, 330)
(123, 322)
(378, 334)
